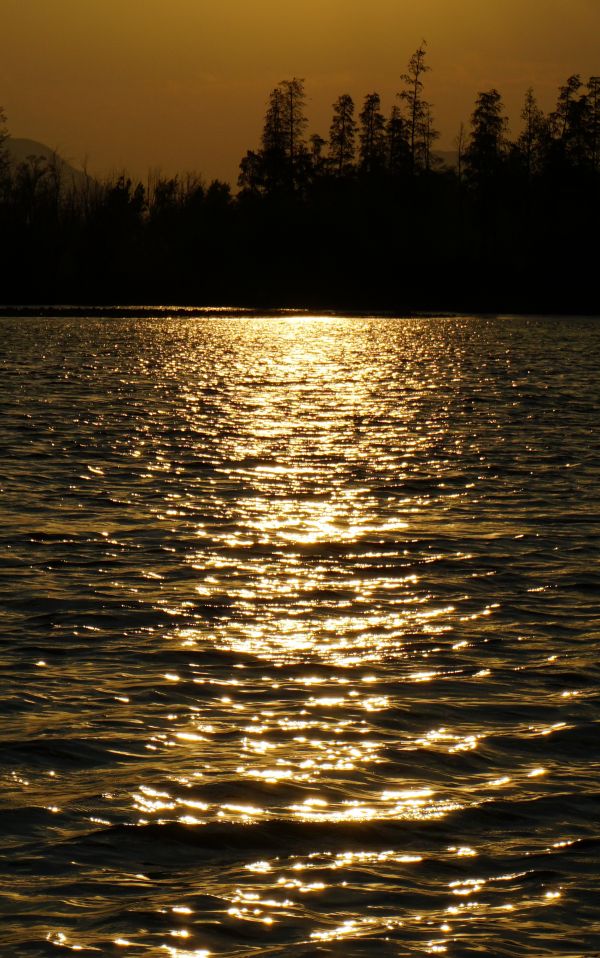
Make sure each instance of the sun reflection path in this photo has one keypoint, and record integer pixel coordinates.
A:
(326, 477)
(331, 629)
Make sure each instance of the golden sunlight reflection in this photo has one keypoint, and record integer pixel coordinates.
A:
(290, 884)
(295, 494)
(185, 953)
(411, 805)
(349, 928)
(316, 702)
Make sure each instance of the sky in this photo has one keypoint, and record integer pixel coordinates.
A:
(181, 85)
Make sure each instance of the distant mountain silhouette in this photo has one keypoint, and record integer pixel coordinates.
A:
(448, 157)
(20, 149)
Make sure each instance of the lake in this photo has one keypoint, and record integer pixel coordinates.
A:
(300, 636)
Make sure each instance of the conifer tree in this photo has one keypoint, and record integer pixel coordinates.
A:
(4, 160)
(342, 135)
(293, 116)
(274, 136)
(281, 161)
(564, 116)
(317, 145)
(267, 170)
(412, 96)
(571, 124)
(461, 144)
(372, 134)
(397, 145)
(488, 142)
(531, 144)
(426, 137)
(593, 96)
(581, 137)
(251, 179)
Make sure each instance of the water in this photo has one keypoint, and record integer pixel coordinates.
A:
(299, 637)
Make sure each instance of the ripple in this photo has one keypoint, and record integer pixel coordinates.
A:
(299, 635)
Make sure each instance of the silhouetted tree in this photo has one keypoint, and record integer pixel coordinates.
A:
(532, 144)
(571, 124)
(275, 155)
(35, 187)
(251, 177)
(4, 160)
(593, 96)
(412, 96)
(485, 161)
(282, 161)
(124, 204)
(488, 142)
(398, 147)
(218, 195)
(273, 135)
(342, 135)
(293, 100)
(564, 116)
(164, 198)
(372, 134)
(427, 135)
(317, 147)
(461, 145)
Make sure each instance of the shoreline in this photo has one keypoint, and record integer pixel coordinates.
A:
(96, 311)
(209, 312)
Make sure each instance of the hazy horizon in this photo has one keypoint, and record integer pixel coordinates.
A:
(146, 87)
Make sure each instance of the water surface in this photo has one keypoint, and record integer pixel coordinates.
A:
(300, 636)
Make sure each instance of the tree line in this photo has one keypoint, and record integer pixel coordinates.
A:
(367, 217)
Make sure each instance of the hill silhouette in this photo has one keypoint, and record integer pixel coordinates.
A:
(21, 148)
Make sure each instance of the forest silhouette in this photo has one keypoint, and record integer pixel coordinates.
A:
(368, 217)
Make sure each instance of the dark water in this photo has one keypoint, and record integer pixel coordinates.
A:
(300, 637)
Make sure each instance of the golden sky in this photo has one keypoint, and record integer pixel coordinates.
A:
(181, 84)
